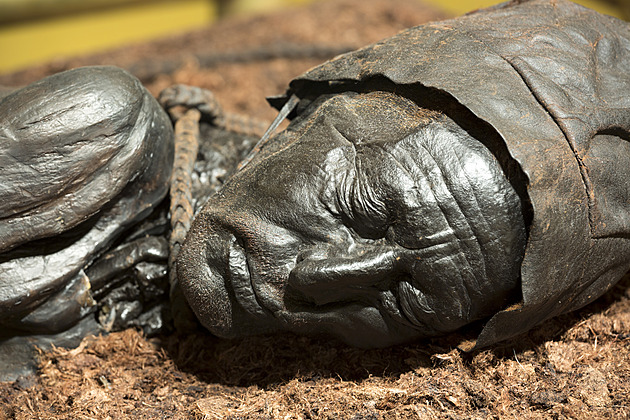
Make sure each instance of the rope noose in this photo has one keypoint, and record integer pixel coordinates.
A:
(187, 106)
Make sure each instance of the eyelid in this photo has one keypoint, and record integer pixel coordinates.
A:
(359, 200)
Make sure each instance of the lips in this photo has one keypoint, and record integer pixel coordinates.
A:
(214, 273)
(240, 279)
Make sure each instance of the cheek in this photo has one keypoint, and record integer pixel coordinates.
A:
(272, 253)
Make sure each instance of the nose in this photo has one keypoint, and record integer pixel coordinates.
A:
(199, 272)
(213, 270)
(346, 277)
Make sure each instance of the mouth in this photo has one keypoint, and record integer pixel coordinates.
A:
(227, 291)
(213, 270)
(239, 277)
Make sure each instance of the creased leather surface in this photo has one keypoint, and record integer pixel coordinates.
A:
(552, 78)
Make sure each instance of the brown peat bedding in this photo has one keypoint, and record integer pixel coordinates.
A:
(574, 366)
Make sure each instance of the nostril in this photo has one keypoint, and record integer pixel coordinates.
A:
(305, 256)
(343, 277)
(300, 257)
(315, 253)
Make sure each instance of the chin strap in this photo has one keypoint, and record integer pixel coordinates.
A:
(284, 112)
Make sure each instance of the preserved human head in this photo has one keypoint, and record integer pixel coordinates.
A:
(368, 218)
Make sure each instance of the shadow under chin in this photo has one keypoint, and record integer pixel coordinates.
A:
(273, 359)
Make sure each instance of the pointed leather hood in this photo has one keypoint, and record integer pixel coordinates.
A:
(553, 79)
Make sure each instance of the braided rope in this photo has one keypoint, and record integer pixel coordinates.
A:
(187, 106)
(186, 147)
(242, 124)
(177, 98)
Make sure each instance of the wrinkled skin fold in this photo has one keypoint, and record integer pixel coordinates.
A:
(498, 190)
(370, 218)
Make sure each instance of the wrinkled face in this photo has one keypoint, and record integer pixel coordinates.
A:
(369, 218)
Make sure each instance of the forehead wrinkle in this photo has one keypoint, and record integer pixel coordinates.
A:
(474, 249)
(367, 201)
(369, 117)
(469, 243)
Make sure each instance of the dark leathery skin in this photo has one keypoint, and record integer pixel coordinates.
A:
(541, 84)
(327, 236)
(126, 285)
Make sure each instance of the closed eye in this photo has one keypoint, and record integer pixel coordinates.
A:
(361, 204)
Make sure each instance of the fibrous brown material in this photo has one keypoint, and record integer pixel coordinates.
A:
(574, 366)
(580, 372)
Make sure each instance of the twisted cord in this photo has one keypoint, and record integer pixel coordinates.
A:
(186, 147)
(243, 124)
(187, 106)
(177, 98)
